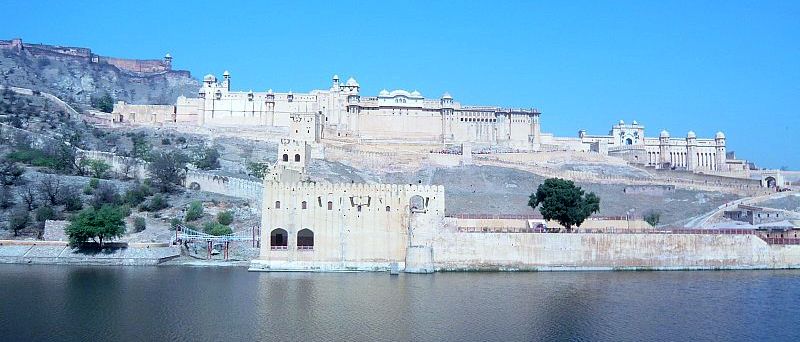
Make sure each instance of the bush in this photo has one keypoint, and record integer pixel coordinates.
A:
(194, 212)
(174, 223)
(139, 224)
(652, 217)
(106, 193)
(104, 103)
(181, 140)
(97, 168)
(93, 183)
(225, 217)
(156, 203)
(137, 194)
(126, 210)
(6, 198)
(207, 159)
(166, 141)
(215, 228)
(45, 213)
(18, 220)
(72, 199)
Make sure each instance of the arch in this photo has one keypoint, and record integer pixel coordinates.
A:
(277, 204)
(330, 205)
(304, 205)
(285, 157)
(628, 141)
(305, 239)
(417, 203)
(297, 157)
(194, 186)
(771, 182)
(278, 239)
(388, 208)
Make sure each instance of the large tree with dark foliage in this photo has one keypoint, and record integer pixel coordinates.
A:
(97, 225)
(167, 170)
(564, 202)
(104, 103)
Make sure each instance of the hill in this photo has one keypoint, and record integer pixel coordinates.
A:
(77, 74)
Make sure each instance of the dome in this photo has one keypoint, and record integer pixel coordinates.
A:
(384, 93)
(719, 135)
(226, 74)
(209, 78)
(399, 92)
(447, 96)
(664, 134)
(335, 77)
(691, 134)
(269, 91)
(621, 122)
(416, 94)
(634, 123)
(352, 82)
(201, 91)
(167, 56)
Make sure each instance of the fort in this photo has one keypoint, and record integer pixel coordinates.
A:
(135, 67)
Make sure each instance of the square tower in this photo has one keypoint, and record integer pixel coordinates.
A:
(305, 127)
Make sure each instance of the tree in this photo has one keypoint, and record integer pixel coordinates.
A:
(97, 225)
(97, 168)
(28, 195)
(564, 202)
(129, 167)
(217, 229)
(207, 159)
(257, 169)
(167, 170)
(139, 224)
(104, 103)
(51, 190)
(18, 220)
(10, 172)
(652, 217)
(194, 212)
(6, 197)
(105, 194)
(141, 148)
(225, 217)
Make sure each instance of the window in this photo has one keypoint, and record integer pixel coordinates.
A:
(304, 205)
(330, 205)
(305, 239)
(278, 239)
(359, 208)
(388, 208)
(297, 158)
(285, 157)
(277, 204)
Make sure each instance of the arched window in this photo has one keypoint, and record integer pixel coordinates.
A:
(297, 157)
(359, 208)
(285, 157)
(304, 205)
(330, 205)
(305, 239)
(278, 239)
(277, 204)
(388, 208)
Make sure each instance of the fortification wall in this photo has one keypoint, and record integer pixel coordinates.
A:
(229, 186)
(704, 178)
(147, 66)
(542, 251)
(365, 159)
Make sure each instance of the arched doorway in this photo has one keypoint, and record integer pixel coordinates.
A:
(305, 239)
(417, 203)
(771, 182)
(278, 239)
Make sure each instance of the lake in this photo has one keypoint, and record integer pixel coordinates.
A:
(219, 304)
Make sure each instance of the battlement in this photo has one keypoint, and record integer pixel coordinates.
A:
(355, 187)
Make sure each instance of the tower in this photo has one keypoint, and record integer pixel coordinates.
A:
(269, 103)
(663, 146)
(691, 151)
(721, 157)
(226, 80)
(446, 103)
(335, 86)
(168, 61)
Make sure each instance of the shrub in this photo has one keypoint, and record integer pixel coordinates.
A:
(45, 213)
(6, 198)
(104, 103)
(174, 223)
(207, 159)
(72, 199)
(215, 228)
(97, 168)
(181, 140)
(166, 141)
(93, 183)
(136, 195)
(156, 203)
(126, 210)
(139, 224)
(105, 193)
(652, 217)
(18, 220)
(194, 212)
(225, 217)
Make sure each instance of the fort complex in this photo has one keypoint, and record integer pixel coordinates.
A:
(400, 116)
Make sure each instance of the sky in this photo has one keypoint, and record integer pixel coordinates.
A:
(707, 66)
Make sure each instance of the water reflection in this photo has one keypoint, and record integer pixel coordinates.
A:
(175, 303)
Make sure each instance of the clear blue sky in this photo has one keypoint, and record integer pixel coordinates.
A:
(678, 65)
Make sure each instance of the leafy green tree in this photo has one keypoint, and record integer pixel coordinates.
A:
(97, 168)
(225, 217)
(45, 213)
(104, 103)
(97, 225)
(139, 224)
(207, 159)
(216, 228)
(156, 203)
(194, 212)
(167, 170)
(257, 169)
(141, 148)
(564, 202)
(652, 217)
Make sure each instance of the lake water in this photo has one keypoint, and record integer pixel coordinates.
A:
(219, 304)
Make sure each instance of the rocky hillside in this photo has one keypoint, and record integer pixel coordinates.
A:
(76, 78)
